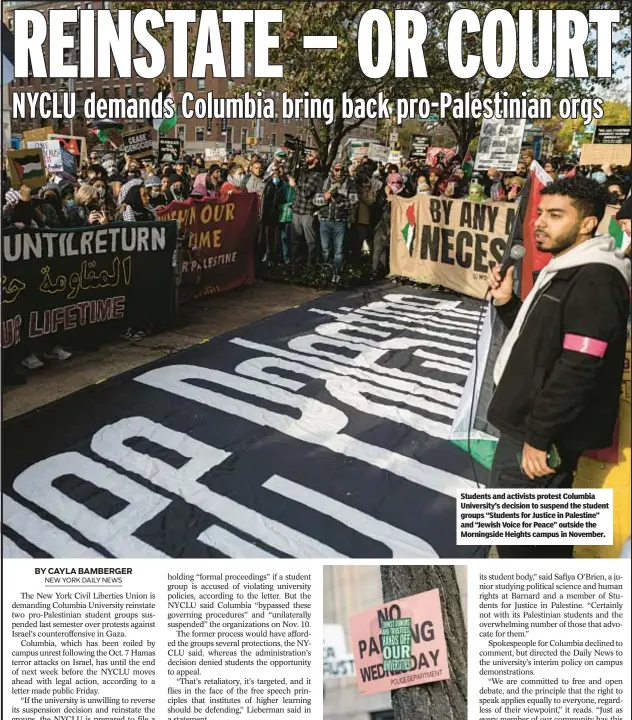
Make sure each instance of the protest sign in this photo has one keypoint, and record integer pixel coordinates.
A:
(613, 135)
(169, 149)
(451, 243)
(428, 657)
(85, 281)
(138, 143)
(419, 146)
(337, 660)
(602, 154)
(436, 155)
(51, 151)
(69, 163)
(220, 241)
(499, 144)
(396, 642)
(38, 134)
(75, 144)
(379, 153)
(26, 167)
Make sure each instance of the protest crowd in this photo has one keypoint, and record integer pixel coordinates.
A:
(338, 218)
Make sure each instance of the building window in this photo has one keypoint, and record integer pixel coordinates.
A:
(79, 95)
(244, 139)
(181, 132)
(140, 91)
(128, 91)
(249, 69)
(201, 83)
(116, 91)
(209, 126)
(273, 139)
(199, 134)
(229, 138)
(180, 86)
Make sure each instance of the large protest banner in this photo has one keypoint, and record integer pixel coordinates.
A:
(69, 281)
(427, 651)
(220, 236)
(308, 437)
(451, 243)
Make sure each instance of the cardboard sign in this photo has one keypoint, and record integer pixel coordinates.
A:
(451, 243)
(169, 149)
(75, 144)
(428, 650)
(379, 153)
(601, 154)
(499, 144)
(51, 150)
(39, 134)
(613, 135)
(27, 167)
(419, 145)
(138, 143)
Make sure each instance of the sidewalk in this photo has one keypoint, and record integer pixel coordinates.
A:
(199, 321)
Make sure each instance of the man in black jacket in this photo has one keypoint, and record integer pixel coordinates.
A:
(559, 372)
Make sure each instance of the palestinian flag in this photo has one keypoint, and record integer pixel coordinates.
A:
(162, 124)
(103, 128)
(534, 260)
(408, 231)
(616, 231)
(28, 167)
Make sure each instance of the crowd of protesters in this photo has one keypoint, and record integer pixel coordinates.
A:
(337, 216)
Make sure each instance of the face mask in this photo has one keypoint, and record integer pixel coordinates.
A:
(599, 177)
(276, 180)
(561, 175)
(238, 180)
(176, 191)
(69, 203)
(101, 193)
(155, 193)
(396, 188)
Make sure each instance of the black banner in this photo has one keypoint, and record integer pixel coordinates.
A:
(61, 285)
(138, 143)
(169, 149)
(324, 431)
(419, 146)
(613, 135)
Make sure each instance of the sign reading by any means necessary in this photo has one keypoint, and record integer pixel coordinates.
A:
(377, 642)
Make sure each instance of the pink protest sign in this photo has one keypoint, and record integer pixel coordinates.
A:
(429, 657)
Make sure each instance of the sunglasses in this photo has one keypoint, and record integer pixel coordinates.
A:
(337, 169)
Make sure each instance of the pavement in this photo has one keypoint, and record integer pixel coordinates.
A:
(199, 321)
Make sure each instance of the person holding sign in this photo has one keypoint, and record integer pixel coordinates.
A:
(558, 374)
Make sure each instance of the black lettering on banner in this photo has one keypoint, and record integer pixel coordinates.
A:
(463, 240)
(497, 250)
(446, 246)
(66, 280)
(466, 215)
(430, 239)
(435, 210)
(480, 253)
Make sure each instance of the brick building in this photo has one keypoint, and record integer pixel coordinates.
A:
(197, 134)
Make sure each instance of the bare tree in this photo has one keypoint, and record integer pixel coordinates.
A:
(445, 700)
